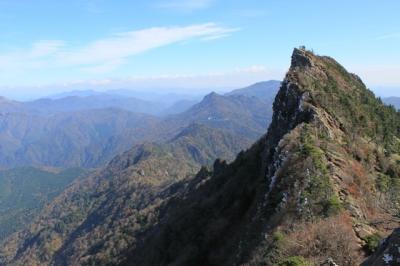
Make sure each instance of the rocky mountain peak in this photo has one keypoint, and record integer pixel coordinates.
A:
(319, 147)
(308, 185)
(302, 58)
(319, 84)
(212, 95)
(211, 99)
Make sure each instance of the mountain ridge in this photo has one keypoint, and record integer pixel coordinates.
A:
(89, 138)
(296, 186)
(120, 198)
(265, 90)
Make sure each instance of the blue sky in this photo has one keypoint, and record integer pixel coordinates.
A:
(51, 46)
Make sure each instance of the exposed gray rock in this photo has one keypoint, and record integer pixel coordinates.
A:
(301, 59)
(388, 252)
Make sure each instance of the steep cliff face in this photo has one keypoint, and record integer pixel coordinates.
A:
(313, 189)
(388, 252)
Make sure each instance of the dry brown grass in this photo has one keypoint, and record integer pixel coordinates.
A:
(329, 238)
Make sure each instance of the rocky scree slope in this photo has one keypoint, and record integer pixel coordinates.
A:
(313, 190)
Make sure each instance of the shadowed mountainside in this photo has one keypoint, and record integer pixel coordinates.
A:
(96, 218)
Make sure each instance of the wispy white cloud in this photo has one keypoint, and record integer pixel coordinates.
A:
(168, 82)
(127, 44)
(222, 34)
(184, 5)
(107, 54)
(242, 76)
(46, 48)
(389, 36)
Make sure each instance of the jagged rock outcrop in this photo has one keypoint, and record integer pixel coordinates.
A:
(388, 252)
(308, 191)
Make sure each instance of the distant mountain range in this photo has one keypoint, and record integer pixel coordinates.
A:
(47, 106)
(163, 101)
(100, 101)
(86, 138)
(265, 90)
(395, 101)
(88, 131)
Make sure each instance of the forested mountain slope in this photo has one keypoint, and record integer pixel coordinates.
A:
(247, 116)
(87, 138)
(317, 187)
(24, 191)
(97, 218)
